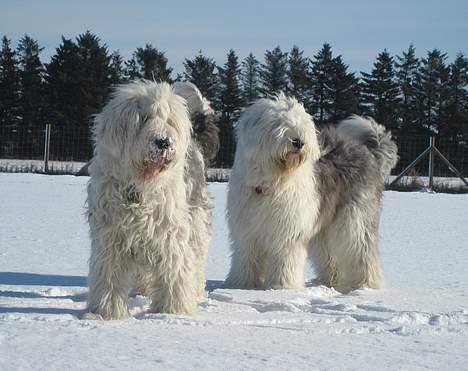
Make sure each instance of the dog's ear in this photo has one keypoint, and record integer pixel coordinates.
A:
(194, 98)
(117, 121)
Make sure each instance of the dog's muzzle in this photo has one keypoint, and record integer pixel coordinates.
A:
(294, 156)
(297, 144)
(160, 154)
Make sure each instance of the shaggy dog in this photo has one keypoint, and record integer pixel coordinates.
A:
(206, 134)
(148, 207)
(294, 192)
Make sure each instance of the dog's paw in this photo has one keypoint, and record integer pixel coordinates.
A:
(88, 316)
(100, 317)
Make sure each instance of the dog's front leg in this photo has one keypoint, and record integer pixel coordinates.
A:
(246, 267)
(285, 268)
(108, 287)
(174, 286)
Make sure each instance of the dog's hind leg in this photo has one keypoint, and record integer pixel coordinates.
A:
(141, 283)
(200, 240)
(285, 268)
(345, 254)
(322, 260)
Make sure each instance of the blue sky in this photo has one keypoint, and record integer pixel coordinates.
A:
(357, 29)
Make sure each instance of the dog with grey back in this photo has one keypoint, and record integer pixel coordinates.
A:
(148, 207)
(295, 192)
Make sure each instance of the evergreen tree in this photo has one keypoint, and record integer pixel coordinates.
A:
(334, 90)
(457, 102)
(179, 77)
(250, 74)
(9, 84)
(229, 99)
(344, 90)
(94, 78)
(201, 72)
(229, 104)
(131, 70)
(274, 72)
(298, 74)
(31, 75)
(432, 83)
(79, 81)
(116, 68)
(63, 91)
(406, 73)
(320, 85)
(380, 92)
(149, 63)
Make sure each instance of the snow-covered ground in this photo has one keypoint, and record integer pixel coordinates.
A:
(418, 321)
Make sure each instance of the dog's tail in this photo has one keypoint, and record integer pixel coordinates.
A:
(375, 137)
(205, 130)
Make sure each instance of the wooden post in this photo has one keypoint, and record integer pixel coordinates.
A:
(46, 148)
(431, 164)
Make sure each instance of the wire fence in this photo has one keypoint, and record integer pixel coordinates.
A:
(22, 149)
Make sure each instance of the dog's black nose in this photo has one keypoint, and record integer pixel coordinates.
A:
(297, 143)
(162, 143)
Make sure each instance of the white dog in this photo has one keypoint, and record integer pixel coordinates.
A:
(148, 206)
(294, 191)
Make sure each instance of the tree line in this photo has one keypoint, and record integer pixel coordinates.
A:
(410, 95)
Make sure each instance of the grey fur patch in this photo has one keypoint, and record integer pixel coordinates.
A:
(350, 178)
(206, 133)
(349, 167)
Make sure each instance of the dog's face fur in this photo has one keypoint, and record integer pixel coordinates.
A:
(277, 136)
(145, 129)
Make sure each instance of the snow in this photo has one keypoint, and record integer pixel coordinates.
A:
(419, 320)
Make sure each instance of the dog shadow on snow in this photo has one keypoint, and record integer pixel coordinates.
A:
(49, 281)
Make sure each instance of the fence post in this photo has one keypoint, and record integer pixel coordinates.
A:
(431, 163)
(46, 148)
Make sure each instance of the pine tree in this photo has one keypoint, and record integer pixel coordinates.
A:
(229, 104)
(31, 75)
(432, 83)
(116, 68)
(201, 72)
(298, 67)
(149, 63)
(344, 90)
(9, 85)
(406, 70)
(79, 81)
(229, 99)
(94, 79)
(380, 92)
(63, 91)
(274, 72)
(131, 70)
(457, 102)
(334, 90)
(250, 75)
(320, 85)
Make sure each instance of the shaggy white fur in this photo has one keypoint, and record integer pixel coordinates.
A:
(148, 207)
(294, 192)
(269, 186)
